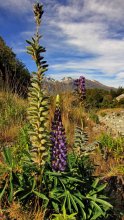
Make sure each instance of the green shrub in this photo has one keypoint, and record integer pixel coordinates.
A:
(121, 102)
(111, 146)
(103, 114)
(94, 118)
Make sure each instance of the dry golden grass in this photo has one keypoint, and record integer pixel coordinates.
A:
(17, 212)
(72, 115)
(12, 116)
(39, 215)
(5, 96)
(106, 168)
(9, 135)
(110, 110)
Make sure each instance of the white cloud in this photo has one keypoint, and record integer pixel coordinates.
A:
(25, 34)
(120, 75)
(19, 50)
(81, 26)
(112, 9)
(17, 6)
(99, 69)
(85, 26)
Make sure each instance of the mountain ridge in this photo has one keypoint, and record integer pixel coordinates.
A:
(67, 84)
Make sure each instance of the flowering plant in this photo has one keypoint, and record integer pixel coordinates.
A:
(59, 146)
(80, 88)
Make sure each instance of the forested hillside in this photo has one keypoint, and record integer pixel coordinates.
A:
(14, 75)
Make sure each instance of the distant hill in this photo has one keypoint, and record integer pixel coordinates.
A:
(67, 84)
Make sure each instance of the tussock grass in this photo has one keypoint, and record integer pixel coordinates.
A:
(109, 156)
(12, 116)
(16, 211)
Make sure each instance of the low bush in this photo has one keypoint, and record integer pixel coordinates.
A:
(103, 114)
(111, 146)
(94, 118)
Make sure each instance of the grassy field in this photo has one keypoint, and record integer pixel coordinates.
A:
(13, 124)
(107, 158)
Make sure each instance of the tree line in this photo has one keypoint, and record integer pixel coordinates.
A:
(14, 76)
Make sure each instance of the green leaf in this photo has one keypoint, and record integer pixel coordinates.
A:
(73, 203)
(42, 119)
(19, 190)
(7, 156)
(40, 195)
(95, 216)
(89, 213)
(36, 86)
(11, 188)
(103, 202)
(34, 184)
(64, 212)
(54, 193)
(97, 207)
(29, 42)
(78, 201)
(3, 191)
(29, 48)
(101, 187)
(72, 179)
(83, 214)
(53, 173)
(55, 206)
(29, 52)
(72, 216)
(33, 108)
(68, 201)
(79, 195)
(23, 197)
(55, 181)
(95, 183)
(44, 103)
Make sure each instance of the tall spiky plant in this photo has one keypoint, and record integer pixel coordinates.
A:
(38, 102)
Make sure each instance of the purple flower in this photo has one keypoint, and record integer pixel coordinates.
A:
(80, 87)
(59, 147)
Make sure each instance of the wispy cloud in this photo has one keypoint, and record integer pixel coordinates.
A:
(17, 6)
(87, 27)
(83, 36)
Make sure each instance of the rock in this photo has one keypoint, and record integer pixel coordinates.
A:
(114, 121)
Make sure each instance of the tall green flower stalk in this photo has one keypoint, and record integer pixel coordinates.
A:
(38, 102)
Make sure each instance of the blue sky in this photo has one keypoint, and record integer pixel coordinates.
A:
(82, 37)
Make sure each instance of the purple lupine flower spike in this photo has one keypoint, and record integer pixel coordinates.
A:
(59, 147)
(80, 87)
